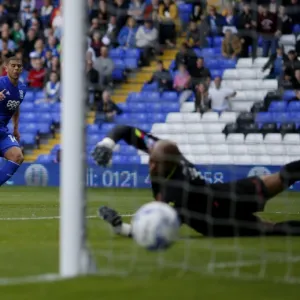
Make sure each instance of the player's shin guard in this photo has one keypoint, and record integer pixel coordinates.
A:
(8, 170)
(290, 173)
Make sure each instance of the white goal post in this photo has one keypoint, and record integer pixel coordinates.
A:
(74, 258)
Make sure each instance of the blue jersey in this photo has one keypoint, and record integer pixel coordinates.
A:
(14, 96)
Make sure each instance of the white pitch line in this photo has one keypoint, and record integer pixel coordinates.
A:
(30, 279)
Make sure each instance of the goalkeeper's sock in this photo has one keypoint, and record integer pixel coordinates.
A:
(290, 173)
(8, 170)
(124, 229)
(287, 228)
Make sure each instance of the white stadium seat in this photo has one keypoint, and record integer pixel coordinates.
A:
(251, 84)
(242, 160)
(235, 138)
(230, 74)
(256, 149)
(273, 138)
(262, 160)
(269, 84)
(287, 40)
(174, 118)
(277, 150)
(244, 63)
(219, 150)
(240, 106)
(228, 117)
(232, 84)
(187, 107)
(179, 138)
(260, 74)
(246, 74)
(191, 158)
(199, 149)
(237, 149)
(254, 138)
(185, 149)
(210, 117)
(291, 139)
(260, 62)
(222, 159)
(203, 159)
(195, 128)
(216, 138)
(168, 128)
(196, 139)
(191, 117)
(213, 127)
(240, 96)
(279, 160)
(255, 96)
(293, 150)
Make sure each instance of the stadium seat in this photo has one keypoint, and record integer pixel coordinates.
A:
(269, 84)
(93, 129)
(287, 40)
(216, 73)
(216, 138)
(293, 106)
(210, 117)
(153, 107)
(30, 128)
(243, 160)
(254, 138)
(197, 128)
(278, 150)
(230, 74)
(132, 53)
(245, 118)
(93, 139)
(213, 128)
(292, 150)
(273, 138)
(151, 96)
(231, 128)
(29, 97)
(262, 160)
(260, 62)
(39, 95)
(250, 129)
(28, 139)
(131, 63)
(250, 84)
(156, 118)
(136, 107)
(116, 53)
(256, 149)
(150, 87)
(232, 84)
(43, 107)
(187, 107)
(278, 106)
(56, 107)
(246, 74)
(28, 117)
(45, 159)
(291, 139)
(287, 128)
(237, 149)
(27, 106)
(264, 117)
(222, 159)
(44, 128)
(197, 139)
(191, 117)
(170, 107)
(244, 63)
(288, 94)
(169, 97)
(174, 118)
(235, 138)
(45, 118)
(221, 149)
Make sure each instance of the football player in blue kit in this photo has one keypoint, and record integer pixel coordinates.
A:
(12, 93)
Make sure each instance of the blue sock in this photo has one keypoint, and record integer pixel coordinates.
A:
(8, 170)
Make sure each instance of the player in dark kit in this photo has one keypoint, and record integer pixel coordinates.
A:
(223, 209)
(12, 93)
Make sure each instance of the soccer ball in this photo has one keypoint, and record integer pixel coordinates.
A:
(155, 226)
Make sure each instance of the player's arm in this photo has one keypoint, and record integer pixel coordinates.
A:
(131, 135)
(15, 120)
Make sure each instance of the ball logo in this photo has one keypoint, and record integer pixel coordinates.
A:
(259, 171)
(36, 175)
(12, 104)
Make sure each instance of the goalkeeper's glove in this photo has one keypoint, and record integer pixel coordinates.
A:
(110, 216)
(102, 153)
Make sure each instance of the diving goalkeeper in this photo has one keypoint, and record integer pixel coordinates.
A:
(217, 210)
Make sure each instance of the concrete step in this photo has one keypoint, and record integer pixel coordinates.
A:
(119, 98)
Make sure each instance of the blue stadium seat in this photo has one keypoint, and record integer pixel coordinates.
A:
(135, 97)
(28, 117)
(127, 150)
(55, 149)
(157, 118)
(40, 95)
(216, 73)
(294, 106)
(172, 65)
(294, 117)
(28, 139)
(119, 159)
(217, 41)
(136, 107)
(211, 63)
(119, 64)
(43, 128)
(288, 94)
(124, 119)
(151, 96)
(30, 96)
(153, 107)
(133, 53)
(106, 127)
(208, 52)
(56, 107)
(45, 158)
(152, 87)
(27, 107)
(131, 63)
(43, 107)
(227, 63)
(134, 159)
(123, 106)
(45, 118)
(296, 29)
(264, 117)
(116, 53)
(93, 129)
(185, 11)
(56, 118)
(93, 139)
(28, 128)
(282, 117)
(169, 97)
(277, 106)
(170, 107)
(118, 74)
(198, 52)
(145, 127)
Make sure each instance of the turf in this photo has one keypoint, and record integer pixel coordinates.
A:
(194, 268)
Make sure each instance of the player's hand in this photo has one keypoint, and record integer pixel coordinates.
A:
(102, 155)
(110, 216)
(2, 95)
(17, 135)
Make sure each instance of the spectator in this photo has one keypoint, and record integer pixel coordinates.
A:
(151, 10)
(231, 45)
(18, 35)
(52, 46)
(93, 81)
(119, 8)
(137, 9)
(37, 75)
(57, 24)
(102, 14)
(185, 56)
(196, 37)
(57, 157)
(200, 73)
(46, 12)
(167, 17)
(111, 34)
(182, 83)
(126, 37)
(285, 22)
(26, 15)
(5, 37)
(202, 101)
(90, 52)
(196, 15)
(105, 66)
(298, 46)
(96, 43)
(39, 49)
(29, 42)
(246, 25)
(95, 26)
(296, 80)
(215, 21)
(267, 30)
(285, 82)
(6, 52)
(47, 58)
(293, 11)
(292, 63)
(3, 15)
(230, 18)
(296, 97)
(146, 39)
(26, 3)
(276, 63)
(52, 89)
(107, 109)
(220, 96)
(162, 76)
(54, 67)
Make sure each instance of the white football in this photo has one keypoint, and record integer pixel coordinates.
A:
(155, 226)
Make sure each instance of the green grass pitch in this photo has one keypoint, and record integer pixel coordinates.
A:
(194, 268)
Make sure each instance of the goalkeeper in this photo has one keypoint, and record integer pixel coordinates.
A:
(219, 210)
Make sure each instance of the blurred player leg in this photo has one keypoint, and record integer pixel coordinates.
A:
(11, 151)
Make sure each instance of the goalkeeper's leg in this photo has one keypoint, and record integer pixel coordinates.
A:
(115, 220)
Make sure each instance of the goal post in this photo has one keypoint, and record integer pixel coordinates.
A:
(73, 254)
